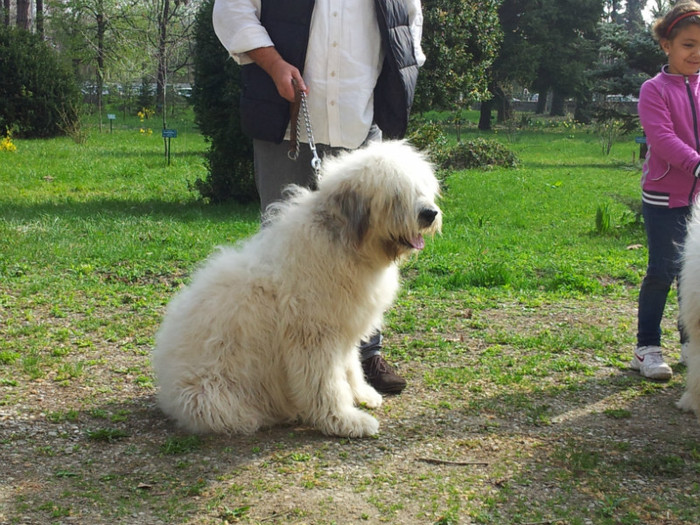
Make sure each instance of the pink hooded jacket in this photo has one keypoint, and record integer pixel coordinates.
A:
(669, 111)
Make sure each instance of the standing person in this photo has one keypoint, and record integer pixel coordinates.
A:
(357, 60)
(669, 110)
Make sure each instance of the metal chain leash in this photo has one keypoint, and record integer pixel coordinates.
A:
(294, 154)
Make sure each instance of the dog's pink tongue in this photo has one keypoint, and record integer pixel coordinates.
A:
(418, 242)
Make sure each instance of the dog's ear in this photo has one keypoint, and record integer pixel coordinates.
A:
(345, 212)
(354, 208)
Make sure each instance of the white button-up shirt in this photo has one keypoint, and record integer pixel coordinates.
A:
(343, 60)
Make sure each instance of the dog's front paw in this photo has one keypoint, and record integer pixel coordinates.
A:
(355, 424)
(688, 404)
(368, 396)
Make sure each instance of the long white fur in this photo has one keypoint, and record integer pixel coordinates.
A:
(689, 287)
(267, 330)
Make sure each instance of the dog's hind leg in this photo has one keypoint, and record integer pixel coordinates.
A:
(690, 400)
(210, 404)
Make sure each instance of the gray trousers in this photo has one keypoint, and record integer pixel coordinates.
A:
(274, 171)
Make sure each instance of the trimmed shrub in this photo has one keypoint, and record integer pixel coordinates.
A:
(479, 153)
(215, 97)
(38, 94)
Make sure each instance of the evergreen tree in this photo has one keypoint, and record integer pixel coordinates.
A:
(565, 32)
(634, 21)
(516, 61)
(38, 95)
(627, 54)
(215, 97)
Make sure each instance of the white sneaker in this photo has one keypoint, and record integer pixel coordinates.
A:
(685, 353)
(649, 361)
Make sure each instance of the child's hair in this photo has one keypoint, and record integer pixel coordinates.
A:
(681, 15)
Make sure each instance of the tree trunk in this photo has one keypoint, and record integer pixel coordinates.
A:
(40, 18)
(161, 81)
(505, 108)
(485, 115)
(542, 92)
(99, 80)
(23, 14)
(557, 105)
(583, 111)
(6, 12)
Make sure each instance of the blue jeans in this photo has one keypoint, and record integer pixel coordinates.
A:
(666, 229)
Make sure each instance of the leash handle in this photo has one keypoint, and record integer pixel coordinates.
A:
(295, 130)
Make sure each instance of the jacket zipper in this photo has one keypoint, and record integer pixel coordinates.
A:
(695, 130)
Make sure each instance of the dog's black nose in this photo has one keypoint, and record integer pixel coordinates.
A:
(427, 216)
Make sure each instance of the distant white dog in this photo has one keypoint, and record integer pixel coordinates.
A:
(267, 331)
(689, 286)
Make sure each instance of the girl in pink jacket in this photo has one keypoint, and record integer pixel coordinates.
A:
(669, 110)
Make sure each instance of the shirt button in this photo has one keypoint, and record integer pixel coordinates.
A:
(335, 44)
(332, 73)
(332, 102)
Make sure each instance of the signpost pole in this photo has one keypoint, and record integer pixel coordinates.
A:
(168, 134)
(111, 117)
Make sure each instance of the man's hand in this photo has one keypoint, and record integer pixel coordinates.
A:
(284, 75)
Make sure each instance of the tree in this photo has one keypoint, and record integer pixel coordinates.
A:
(6, 12)
(215, 96)
(660, 7)
(628, 54)
(38, 96)
(613, 11)
(165, 28)
(516, 61)
(40, 18)
(547, 46)
(460, 40)
(565, 33)
(86, 29)
(23, 14)
(634, 21)
(626, 58)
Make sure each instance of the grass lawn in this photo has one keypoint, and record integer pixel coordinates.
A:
(514, 328)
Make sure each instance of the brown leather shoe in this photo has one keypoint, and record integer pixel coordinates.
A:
(382, 377)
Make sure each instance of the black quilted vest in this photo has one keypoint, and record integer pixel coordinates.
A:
(265, 114)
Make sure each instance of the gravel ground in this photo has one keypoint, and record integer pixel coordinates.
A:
(595, 445)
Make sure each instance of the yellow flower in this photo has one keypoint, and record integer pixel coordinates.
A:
(6, 143)
(145, 113)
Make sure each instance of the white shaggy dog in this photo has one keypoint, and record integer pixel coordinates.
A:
(689, 286)
(267, 331)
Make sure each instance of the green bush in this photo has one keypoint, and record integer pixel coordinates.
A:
(38, 94)
(479, 153)
(430, 137)
(215, 97)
